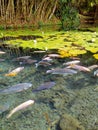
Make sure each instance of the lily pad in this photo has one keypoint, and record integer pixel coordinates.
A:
(95, 56)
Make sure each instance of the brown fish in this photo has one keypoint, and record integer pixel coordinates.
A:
(79, 67)
(28, 61)
(42, 63)
(46, 85)
(22, 58)
(93, 67)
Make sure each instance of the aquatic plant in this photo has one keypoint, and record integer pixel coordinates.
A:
(70, 51)
(69, 43)
(95, 56)
(67, 122)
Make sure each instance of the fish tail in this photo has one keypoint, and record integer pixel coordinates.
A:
(10, 114)
(11, 74)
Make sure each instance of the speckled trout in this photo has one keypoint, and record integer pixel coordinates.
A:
(20, 107)
(16, 88)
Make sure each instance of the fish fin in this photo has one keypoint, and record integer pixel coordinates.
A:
(11, 74)
(9, 115)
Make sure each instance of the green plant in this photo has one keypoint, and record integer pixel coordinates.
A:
(68, 15)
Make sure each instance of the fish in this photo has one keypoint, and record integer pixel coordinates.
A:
(93, 67)
(75, 58)
(16, 88)
(11, 74)
(25, 60)
(39, 51)
(46, 85)
(72, 62)
(42, 63)
(22, 58)
(15, 71)
(28, 61)
(2, 52)
(54, 55)
(96, 89)
(48, 59)
(96, 72)
(50, 71)
(20, 107)
(62, 71)
(79, 67)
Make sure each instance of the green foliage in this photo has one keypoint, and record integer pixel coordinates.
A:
(68, 15)
(85, 5)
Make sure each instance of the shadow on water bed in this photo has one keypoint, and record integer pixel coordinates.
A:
(71, 103)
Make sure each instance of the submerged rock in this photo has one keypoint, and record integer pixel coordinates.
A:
(67, 122)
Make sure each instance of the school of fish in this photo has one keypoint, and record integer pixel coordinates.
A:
(69, 68)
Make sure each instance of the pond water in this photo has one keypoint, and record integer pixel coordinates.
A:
(73, 97)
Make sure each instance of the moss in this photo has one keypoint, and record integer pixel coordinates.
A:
(67, 122)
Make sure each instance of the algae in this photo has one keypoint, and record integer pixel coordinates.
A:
(67, 122)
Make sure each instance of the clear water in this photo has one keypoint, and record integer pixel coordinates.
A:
(74, 95)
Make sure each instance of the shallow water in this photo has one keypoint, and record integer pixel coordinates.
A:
(73, 94)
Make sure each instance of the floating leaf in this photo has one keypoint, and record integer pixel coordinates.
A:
(70, 51)
(68, 43)
(92, 49)
(95, 56)
(75, 52)
(63, 53)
